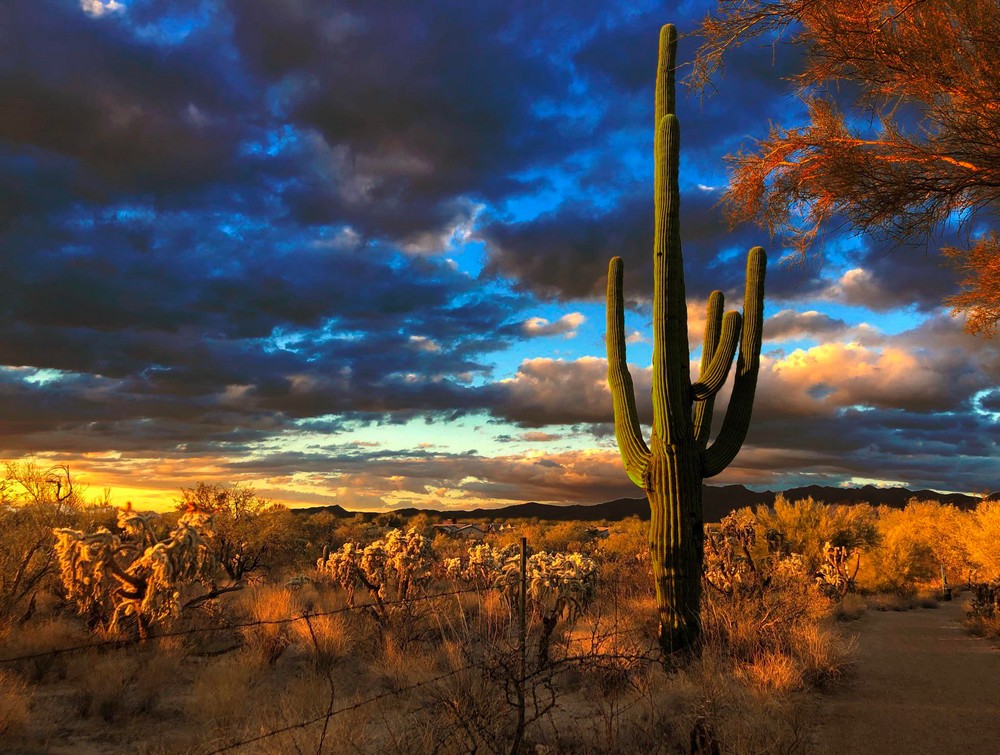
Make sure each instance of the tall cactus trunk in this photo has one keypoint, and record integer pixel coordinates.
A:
(676, 535)
(680, 457)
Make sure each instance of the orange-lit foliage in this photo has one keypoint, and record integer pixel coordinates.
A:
(913, 546)
(807, 526)
(926, 144)
(983, 540)
(248, 532)
(980, 282)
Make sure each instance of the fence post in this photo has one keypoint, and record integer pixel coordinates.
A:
(522, 642)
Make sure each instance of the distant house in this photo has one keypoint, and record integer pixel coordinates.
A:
(598, 533)
(465, 531)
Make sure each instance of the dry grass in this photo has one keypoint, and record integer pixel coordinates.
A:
(218, 698)
(825, 654)
(704, 707)
(270, 603)
(901, 602)
(103, 683)
(15, 705)
(983, 627)
(773, 673)
(850, 608)
(42, 636)
(328, 638)
(117, 684)
(980, 626)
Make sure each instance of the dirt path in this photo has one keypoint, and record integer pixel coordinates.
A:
(921, 685)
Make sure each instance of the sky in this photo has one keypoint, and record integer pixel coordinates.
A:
(355, 252)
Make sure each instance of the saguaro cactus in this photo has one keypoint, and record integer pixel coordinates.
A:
(679, 456)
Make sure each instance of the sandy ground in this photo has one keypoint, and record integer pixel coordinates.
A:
(921, 685)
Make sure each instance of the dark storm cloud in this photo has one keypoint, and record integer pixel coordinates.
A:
(750, 93)
(415, 105)
(565, 254)
(129, 114)
(155, 322)
(990, 401)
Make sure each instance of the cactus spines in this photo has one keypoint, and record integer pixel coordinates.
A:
(679, 457)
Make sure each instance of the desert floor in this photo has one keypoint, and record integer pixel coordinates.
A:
(921, 685)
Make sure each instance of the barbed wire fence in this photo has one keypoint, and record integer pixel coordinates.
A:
(521, 678)
(231, 626)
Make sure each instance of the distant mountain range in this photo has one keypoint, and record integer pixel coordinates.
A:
(717, 501)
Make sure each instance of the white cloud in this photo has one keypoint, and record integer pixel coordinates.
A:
(565, 326)
(98, 8)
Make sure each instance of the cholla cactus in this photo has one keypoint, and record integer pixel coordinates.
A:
(139, 573)
(484, 565)
(729, 563)
(985, 600)
(559, 585)
(735, 565)
(394, 566)
(833, 578)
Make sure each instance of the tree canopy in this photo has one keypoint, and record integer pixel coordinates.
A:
(918, 149)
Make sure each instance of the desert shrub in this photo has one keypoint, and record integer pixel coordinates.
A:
(627, 542)
(563, 537)
(248, 532)
(624, 557)
(755, 601)
(806, 527)
(33, 502)
(985, 600)
(983, 615)
(914, 544)
(982, 535)
(139, 577)
(850, 608)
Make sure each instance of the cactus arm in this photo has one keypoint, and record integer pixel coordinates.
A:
(734, 427)
(635, 454)
(714, 374)
(713, 326)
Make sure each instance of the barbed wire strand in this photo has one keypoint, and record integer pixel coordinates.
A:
(122, 643)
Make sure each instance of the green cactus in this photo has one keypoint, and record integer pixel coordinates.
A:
(680, 457)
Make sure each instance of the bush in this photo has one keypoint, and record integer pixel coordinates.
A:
(32, 502)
